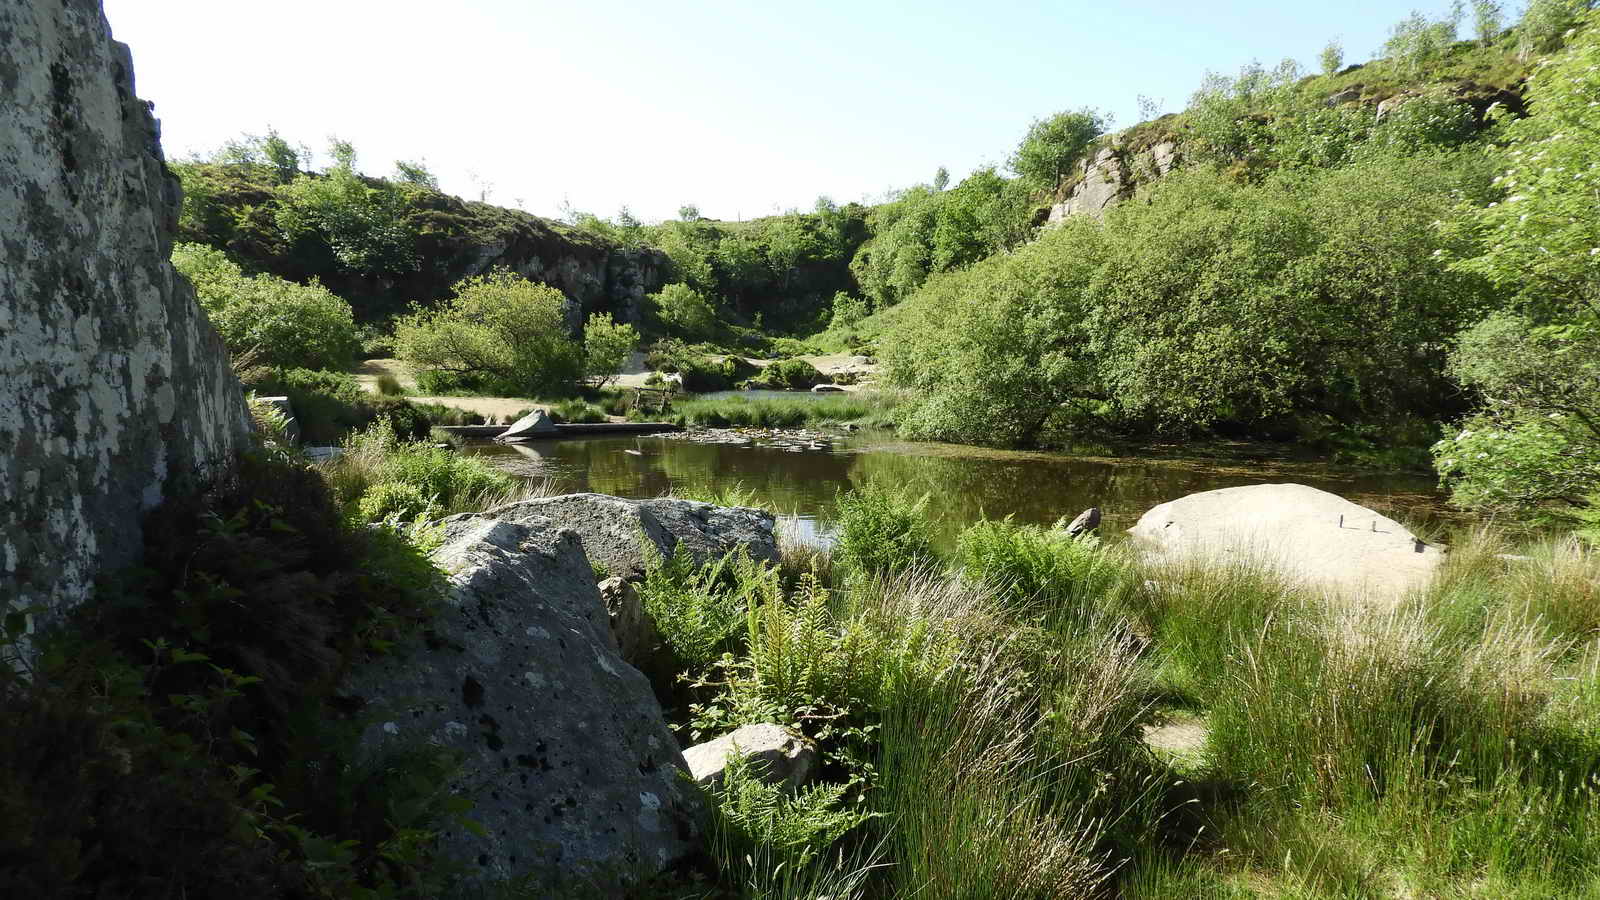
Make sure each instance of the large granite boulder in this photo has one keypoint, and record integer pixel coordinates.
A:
(1301, 531)
(571, 769)
(113, 385)
(616, 531)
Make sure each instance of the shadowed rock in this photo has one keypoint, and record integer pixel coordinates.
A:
(566, 758)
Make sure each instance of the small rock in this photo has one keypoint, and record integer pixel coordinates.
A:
(779, 756)
(533, 424)
(1087, 521)
(827, 389)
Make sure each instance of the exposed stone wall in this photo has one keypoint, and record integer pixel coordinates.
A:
(112, 382)
(1111, 175)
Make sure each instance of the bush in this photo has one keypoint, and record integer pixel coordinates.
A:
(192, 706)
(327, 405)
(500, 333)
(879, 531)
(684, 312)
(1041, 568)
(379, 476)
(606, 346)
(787, 375)
(267, 320)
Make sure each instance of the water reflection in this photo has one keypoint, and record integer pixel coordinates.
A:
(963, 484)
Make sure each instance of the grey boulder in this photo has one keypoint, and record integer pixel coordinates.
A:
(635, 632)
(572, 772)
(534, 424)
(779, 756)
(616, 532)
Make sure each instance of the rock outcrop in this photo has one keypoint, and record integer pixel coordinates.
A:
(573, 774)
(113, 385)
(615, 531)
(1110, 175)
(1303, 532)
(778, 755)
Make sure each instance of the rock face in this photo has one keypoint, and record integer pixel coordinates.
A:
(633, 630)
(113, 385)
(573, 774)
(1304, 532)
(780, 756)
(1110, 175)
(615, 531)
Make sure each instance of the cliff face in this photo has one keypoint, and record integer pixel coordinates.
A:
(445, 239)
(112, 383)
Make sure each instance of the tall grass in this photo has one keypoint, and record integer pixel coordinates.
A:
(379, 477)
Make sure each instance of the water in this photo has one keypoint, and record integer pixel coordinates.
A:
(963, 483)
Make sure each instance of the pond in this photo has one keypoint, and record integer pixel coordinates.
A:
(963, 483)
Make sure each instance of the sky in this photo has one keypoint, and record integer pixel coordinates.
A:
(741, 109)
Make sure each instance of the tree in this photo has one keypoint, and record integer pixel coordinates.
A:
(415, 173)
(847, 311)
(606, 346)
(500, 332)
(1537, 365)
(1488, 19)
(283, 160)
(1416, 40)
(270, 321)
(363, 222)
(1052, 145)
(1332, 57)
(1545, 21)
(685, 312)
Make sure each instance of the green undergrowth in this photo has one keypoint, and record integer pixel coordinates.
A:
(862, 409)
(981, 720)
(180, 736)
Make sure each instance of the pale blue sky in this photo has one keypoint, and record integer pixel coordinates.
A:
(744, 109)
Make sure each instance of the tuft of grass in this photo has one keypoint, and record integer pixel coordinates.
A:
(380, 478)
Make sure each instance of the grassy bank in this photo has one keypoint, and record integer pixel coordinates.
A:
(982, 719)
(874, 409)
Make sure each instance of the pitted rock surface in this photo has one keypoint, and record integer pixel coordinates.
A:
(615, 531)
(113, 384)
(568, 762)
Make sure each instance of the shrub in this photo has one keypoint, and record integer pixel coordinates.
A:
(699, 609)
(271, 321)
(1041, 568)
(389, 386)
(500, 333)
(879, 531)
(787, 374)
(187, 706)
(606, 346)
(685, 312)
(397, 475)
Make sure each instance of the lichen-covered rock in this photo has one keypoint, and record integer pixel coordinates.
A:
(616, 531)
(779, 756)
(113, 385)
(569, 764)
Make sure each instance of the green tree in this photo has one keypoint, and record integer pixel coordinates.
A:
(1488, 20)
(362, 221)
(1537, 438)
(1416, 40)
(500, 332)
(685, 312)
(270, 151)
(415, 173)
(847, 311)
(1544, 22)
(606, 345)
(1537, 365)
(1332, 57)
(267, 320)
(1052, 145)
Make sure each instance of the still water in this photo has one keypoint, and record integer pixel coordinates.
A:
(963, 483)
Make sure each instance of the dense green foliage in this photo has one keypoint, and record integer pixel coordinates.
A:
(267, 320)
(1536, 364)
(1052, 145)
(179, 736)
(1212, 302)
(499, 334)
(606, 347)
